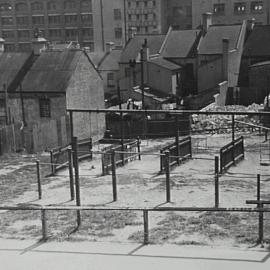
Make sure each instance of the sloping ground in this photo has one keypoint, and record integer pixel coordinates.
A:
(140, 185)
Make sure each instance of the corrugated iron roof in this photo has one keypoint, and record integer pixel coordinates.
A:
(133, 47)
(10, 65)
(51, 71)
(212, 41)
(258, 43)
(179, 43)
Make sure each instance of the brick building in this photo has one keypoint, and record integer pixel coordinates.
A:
(231, 11)
(92, 23)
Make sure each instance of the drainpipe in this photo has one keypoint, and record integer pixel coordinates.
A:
(102, 25)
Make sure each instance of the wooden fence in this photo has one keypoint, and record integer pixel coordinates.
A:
(231, 153)
(123, 154)
(177, 154)
(60, 156)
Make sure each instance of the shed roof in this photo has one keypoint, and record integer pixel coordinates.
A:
(258, 43)
(51, 71)
(164, 63)
(10, 65)
(212, 42)
(133, 47)
(179, 43)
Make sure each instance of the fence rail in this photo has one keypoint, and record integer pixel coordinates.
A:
(123, 153)
(177, 154)
(231, 153)
(44, 209)
(60, 156)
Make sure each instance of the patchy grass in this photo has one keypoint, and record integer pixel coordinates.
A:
(62, 224)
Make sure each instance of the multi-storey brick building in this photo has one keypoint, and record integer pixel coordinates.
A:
(231, 11)
(92, 23)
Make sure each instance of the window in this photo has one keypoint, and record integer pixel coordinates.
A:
(146, 17)
(51, 5)
(129, 17)
(10, 47)
(138, 16)
(145, 3)
(24, 47)
(118, 32)
(23, 34)
(21, 7)
(88, 32)
(86, 5)
(55, 33)
(127, 72)
(239, 8)
(8, 34)
(129, 4)
(45, 107)
(5, 7)
(87, 18)
(54, 19)
(72, 33)
(70, 4)
(117, 14)
(219, 9)
(37, 6)
(38, 20)
(71, 19)
(256, 6)
(110, 79)
(154, 3)
(22, 20)
(6, 20)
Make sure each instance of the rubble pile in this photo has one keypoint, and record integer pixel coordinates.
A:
(222, 123)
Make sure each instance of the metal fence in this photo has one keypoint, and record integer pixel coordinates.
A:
(231, 153)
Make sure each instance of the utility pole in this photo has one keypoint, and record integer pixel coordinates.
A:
(142, 76)
(6, 103)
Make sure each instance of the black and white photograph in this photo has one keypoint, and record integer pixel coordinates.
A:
(134, 134)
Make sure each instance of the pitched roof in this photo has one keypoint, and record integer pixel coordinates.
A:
(96, 57)
(133, 47)
(51, 71)
(110, 61)
(164, 63)
(179, 43)
(212, 41)
(10, 65)
(258, 43)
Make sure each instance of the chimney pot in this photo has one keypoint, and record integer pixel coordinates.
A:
(206, 21)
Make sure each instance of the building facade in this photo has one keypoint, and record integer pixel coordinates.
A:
(91, 23)
(231, 11)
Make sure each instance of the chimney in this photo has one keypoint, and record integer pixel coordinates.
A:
(250, 24)
(2, 45)
(39, 44)
(131, 32)
(146, 52)
(225, 58)
(206, 21)
(109, 46)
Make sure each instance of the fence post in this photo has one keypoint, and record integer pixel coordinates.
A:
(260, 205)
(221, 161)
(139, 147)
(161, 160)
(190, 146)
(233, 127)
(52, 163)
(146, 227)
(71, 180)
(77, 178)
(44, 225)
(167, 168)
(38, 180)
(177, 139)
(266, 134)
(91, 148)
(114, 183)
(216, 183)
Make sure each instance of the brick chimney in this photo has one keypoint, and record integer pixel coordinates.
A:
(109, 46)
(2, 45)
(39, 44)
(251, 24)
(225, 58)
(206, 21)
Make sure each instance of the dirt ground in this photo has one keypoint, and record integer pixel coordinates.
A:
(141, 185)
